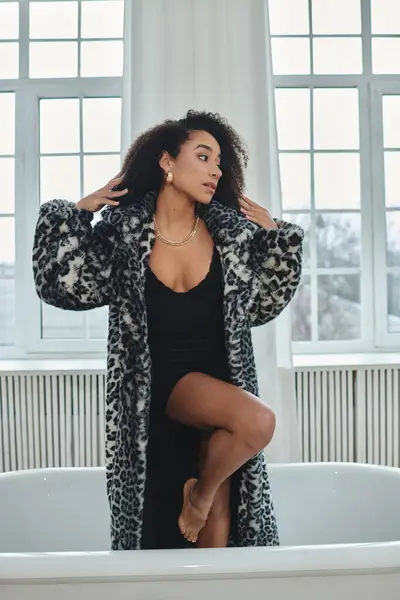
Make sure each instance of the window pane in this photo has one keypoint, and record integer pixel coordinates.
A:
(7, 123)
(101, 59)
(385, 16)
(7, 245)
(60, 178)
(391, 121)
(338, 240)
(301, 311)
(59, 126)
(295, 180)
(7, 311)
(290, 56)
(393, 239)
(7, 196)
(304, 220)
(293, 118)
(98, 170)
(392, 178)
(102, 19)
(336, 121)
(102, 124)
(53, 59)
(7, 284)
(386, 55)
(333, 56)
(339, 308)
(9, 56)
(61, 324)
(393, 286)
(336, 16)
(288, 17)
(53, 20)
(97, 322)
(337, 181)
(9, 20)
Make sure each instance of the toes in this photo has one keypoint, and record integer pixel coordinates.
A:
(182, 527)
(191, 537)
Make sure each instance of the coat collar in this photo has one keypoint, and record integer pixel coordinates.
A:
(226, 226)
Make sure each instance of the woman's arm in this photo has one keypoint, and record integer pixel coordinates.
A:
(72, 262)
(276, 261)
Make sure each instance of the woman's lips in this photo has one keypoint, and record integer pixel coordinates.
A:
(210, 186)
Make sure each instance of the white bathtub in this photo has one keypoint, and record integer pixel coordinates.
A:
(339, 527)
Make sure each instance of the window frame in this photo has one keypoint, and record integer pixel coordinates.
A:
(373, 228)
(383, 337)
(28, 93)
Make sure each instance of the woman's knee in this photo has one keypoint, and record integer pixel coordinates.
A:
(258, 428)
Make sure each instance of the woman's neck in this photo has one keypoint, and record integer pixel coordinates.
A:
(174, 211)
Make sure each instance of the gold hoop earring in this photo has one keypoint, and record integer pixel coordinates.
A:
(169, 177)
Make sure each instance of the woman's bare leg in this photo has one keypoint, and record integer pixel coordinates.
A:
(215, 533)
(243, 426)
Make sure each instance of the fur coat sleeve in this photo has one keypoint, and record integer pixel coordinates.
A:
(72, 261)
(276, 261)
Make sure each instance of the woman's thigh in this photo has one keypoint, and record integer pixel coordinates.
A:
(204, 402)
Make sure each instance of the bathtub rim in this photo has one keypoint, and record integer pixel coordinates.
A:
(329, 466)
(237, 563)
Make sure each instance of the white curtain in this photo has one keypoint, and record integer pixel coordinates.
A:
(215, 55)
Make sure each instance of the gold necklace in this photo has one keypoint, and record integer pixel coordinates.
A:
(171, 242)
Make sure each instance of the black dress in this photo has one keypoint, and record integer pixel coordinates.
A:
(186, 334)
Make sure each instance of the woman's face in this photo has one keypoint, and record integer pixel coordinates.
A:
(196, 170)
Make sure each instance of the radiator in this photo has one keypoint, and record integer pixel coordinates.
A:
(345, 414)
(51, 420)
(349, 414)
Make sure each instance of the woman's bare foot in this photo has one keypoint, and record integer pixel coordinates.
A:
(194, 514)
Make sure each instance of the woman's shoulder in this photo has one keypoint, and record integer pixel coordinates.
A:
(127, 221)
(119, 215)
(227, 222)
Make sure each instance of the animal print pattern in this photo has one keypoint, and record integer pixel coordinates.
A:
(77, 267)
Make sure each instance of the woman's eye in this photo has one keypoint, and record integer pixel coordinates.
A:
(203, 156)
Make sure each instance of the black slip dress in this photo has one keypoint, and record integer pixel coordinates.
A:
(186, 334)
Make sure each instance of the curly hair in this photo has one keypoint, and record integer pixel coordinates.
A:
(142, 171)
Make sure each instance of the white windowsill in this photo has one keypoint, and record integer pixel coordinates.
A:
(304, 361)
(64, 365)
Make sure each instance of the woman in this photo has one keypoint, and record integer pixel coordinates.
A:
(187, 265)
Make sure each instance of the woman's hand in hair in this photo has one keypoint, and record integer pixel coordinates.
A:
(105, 195)
(256, 213)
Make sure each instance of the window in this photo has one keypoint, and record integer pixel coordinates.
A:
(60, 106)
(7, 218)
(336, 66)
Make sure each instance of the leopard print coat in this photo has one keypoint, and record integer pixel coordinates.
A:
(80, 267)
